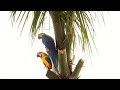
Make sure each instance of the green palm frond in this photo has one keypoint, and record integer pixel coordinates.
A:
(37, 20)
(81, 26)
(84, 23)
(12, 16)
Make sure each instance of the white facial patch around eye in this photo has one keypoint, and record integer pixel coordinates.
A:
(40, 54)
(40, 35)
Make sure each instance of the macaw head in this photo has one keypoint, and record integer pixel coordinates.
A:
(39, 54)
(41, 35)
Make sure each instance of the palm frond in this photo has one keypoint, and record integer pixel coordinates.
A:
(12, 16)
(35, 21)
(38, 20)
(41, 20)
(85, 25)
(25, 21)
(18, 16)
(82, 25)
(22, 16)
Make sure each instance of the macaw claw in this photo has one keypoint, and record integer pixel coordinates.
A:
(61, 51)
(47, 49)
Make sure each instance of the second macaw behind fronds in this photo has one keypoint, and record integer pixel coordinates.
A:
(45, 59)
(48, 41)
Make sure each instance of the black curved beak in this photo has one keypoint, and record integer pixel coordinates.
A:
(38, 55)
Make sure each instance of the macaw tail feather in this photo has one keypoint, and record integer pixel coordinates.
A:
(53, 56)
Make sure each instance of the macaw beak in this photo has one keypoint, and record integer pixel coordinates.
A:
(38, 55)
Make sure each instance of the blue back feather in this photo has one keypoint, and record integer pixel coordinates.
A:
(48, 41)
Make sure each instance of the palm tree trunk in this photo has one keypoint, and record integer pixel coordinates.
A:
(51, 75)
(60, 43)
(77, 70)
(69, 39)
(58, 30)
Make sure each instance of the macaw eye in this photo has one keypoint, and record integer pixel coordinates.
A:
(40, 54)
(40, 36)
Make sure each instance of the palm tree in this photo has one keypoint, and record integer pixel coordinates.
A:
(69, 26)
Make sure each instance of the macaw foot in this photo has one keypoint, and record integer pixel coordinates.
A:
(47, 49)
(61, 51)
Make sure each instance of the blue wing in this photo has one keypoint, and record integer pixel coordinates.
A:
(53, 56)
(48, 42)
(48, 60)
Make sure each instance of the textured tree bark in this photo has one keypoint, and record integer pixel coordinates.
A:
(51, 75)
(60, 43)
(63, 65)
(58, 30)
(69, 39)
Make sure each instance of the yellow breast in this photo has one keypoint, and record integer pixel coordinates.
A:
(48, 65)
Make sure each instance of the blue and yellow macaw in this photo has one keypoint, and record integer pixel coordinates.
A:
(48, 41)
(45, 59)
